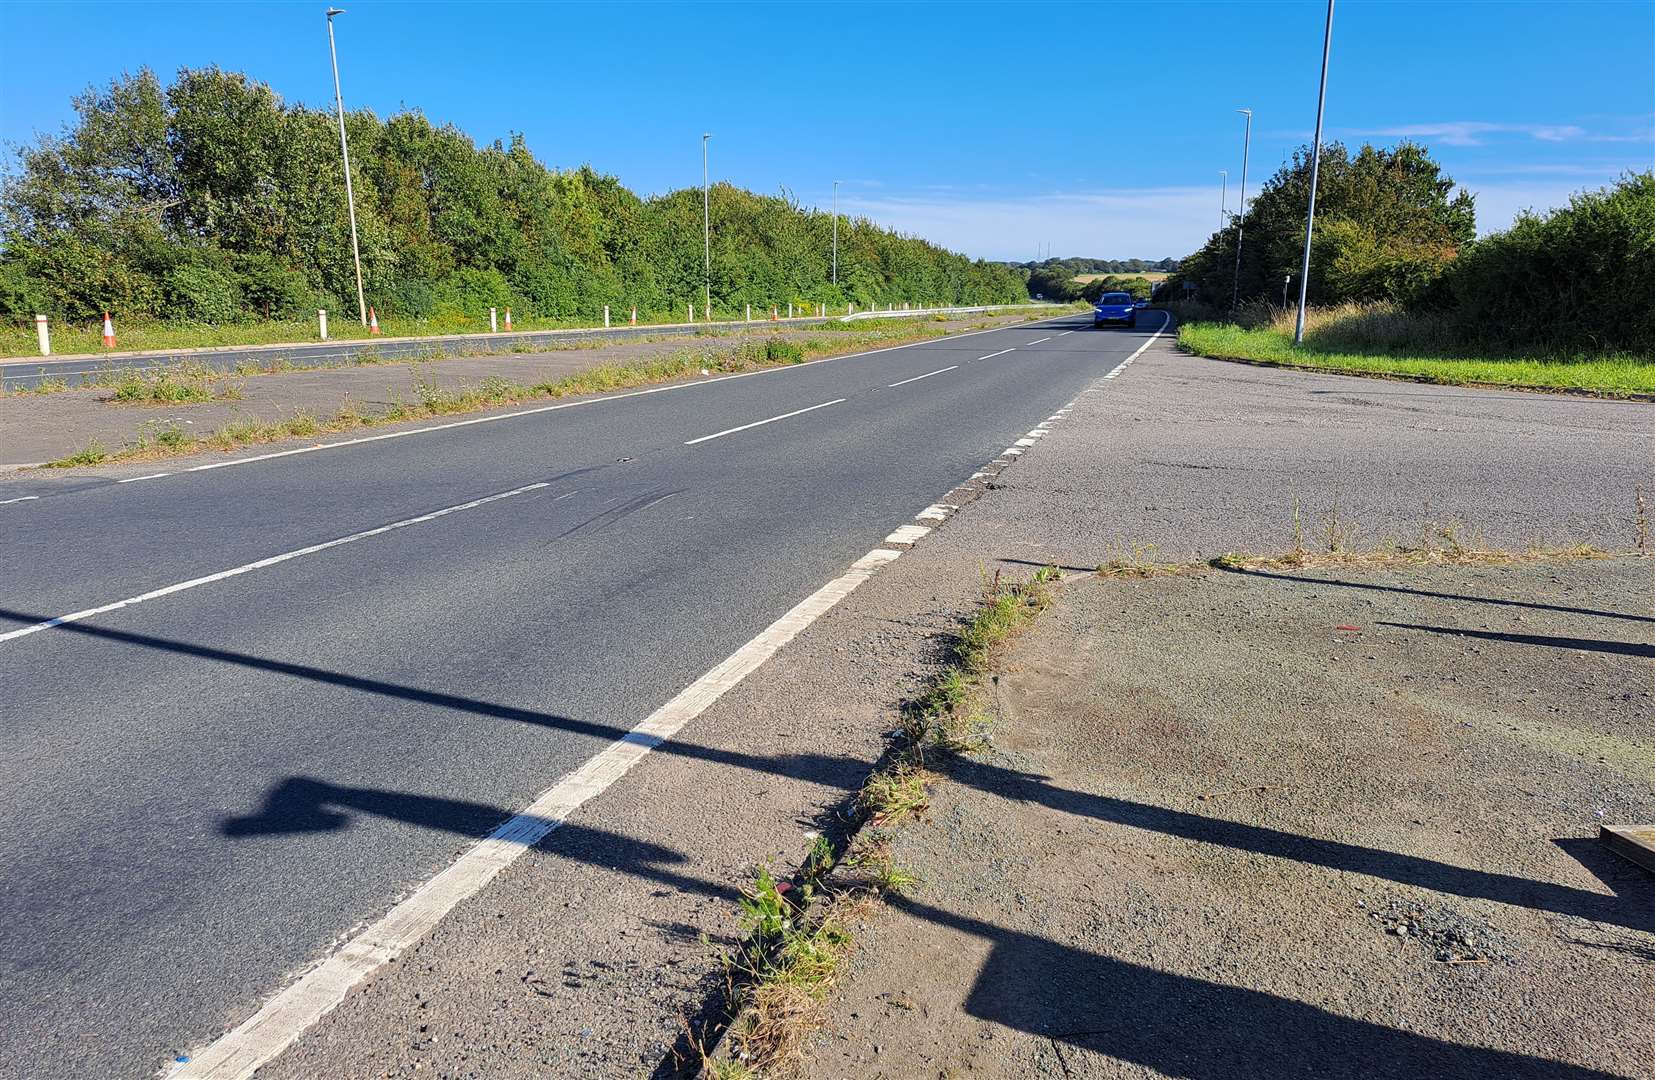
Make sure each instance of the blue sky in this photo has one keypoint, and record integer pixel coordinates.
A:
(994, 128)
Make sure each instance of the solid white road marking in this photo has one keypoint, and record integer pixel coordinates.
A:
(761, 423)
(247, 568)
(572, 404)
(151, 476)
(20, 498)
(908, 534)
(235, 1055)
(917, 378)
(1002, 352)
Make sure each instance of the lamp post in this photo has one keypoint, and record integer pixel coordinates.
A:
(345, 152)
(1241, 215)
(1223, 196)
(1315, 167)
(706, 231)
(836, 232)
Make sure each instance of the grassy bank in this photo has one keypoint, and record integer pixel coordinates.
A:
(166, 439)
(18, 344)
(1378, 340)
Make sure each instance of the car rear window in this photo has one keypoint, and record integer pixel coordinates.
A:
(1116, 298)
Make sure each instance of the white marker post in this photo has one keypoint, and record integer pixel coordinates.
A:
(606, 316)
(692, 312)
(749, 312)
(322, 317)
(493, 321)
(789, 309)
(44, 333)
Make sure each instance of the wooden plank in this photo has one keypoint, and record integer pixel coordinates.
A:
(1633, 842)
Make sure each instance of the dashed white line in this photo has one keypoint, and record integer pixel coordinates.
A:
(761, 423)
(151, 476)
(20, 498)
(340, 443)
(937, 511)
(247, 568)
(1036, 341)
(1002, 352)
(917, 378)
(1065, 333)
(236, 1055)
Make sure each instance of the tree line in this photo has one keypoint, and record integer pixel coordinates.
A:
(1391, 227)
(212, 200)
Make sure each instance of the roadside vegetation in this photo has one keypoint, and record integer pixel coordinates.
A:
(800, 930)
(428, 400)
(152, 207)
(1400, 284)
(1382, 338)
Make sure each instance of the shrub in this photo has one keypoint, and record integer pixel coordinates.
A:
(1583, 275)
(202, 293)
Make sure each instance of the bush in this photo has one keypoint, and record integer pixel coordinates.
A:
(200, 293)
(468, 294)
(1583, 275)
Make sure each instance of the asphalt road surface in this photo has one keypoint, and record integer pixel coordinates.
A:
(510, 598)
(25, 373)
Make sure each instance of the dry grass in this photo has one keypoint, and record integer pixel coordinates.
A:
(1400, 557)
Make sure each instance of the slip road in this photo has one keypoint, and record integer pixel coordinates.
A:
(232, 698)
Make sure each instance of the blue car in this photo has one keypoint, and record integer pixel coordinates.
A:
(1114, 307)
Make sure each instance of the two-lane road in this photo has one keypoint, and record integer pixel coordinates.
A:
(462, 614)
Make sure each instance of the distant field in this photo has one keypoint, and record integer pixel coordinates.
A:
(1155, 276)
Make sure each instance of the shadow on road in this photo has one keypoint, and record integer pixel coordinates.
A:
(1613, 648)
(1199, 1030)
(1634, 908)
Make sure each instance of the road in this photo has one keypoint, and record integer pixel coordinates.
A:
(206, 788)
(73, 370)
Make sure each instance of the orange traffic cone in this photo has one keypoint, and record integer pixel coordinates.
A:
(508, 320)
(772, 313)
(634, 315)
(373, 320)
(108, 332)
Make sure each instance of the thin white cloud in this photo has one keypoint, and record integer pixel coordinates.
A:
(1475, 132)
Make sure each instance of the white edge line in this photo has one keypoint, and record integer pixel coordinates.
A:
(264, 1035)
(584, 401)
(260, 564)
(761, 423)
(917, 378)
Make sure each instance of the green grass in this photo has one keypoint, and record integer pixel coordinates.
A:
(18, 341)
(433, 400)
(1618, 376)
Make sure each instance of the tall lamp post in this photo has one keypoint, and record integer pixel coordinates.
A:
(1315, 167)
(836, 232)
(706, 231)
(1241, 215)
(1223, 196)
(345, 152)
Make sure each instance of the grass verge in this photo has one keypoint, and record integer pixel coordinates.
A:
(431, 401)
(1613, 376)
(18, 344)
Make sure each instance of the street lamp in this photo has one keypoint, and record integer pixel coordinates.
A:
(706, 230)
(1223, 196)
(836, 232)
(1315, 167)
(1241, 215)
(345, 152)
